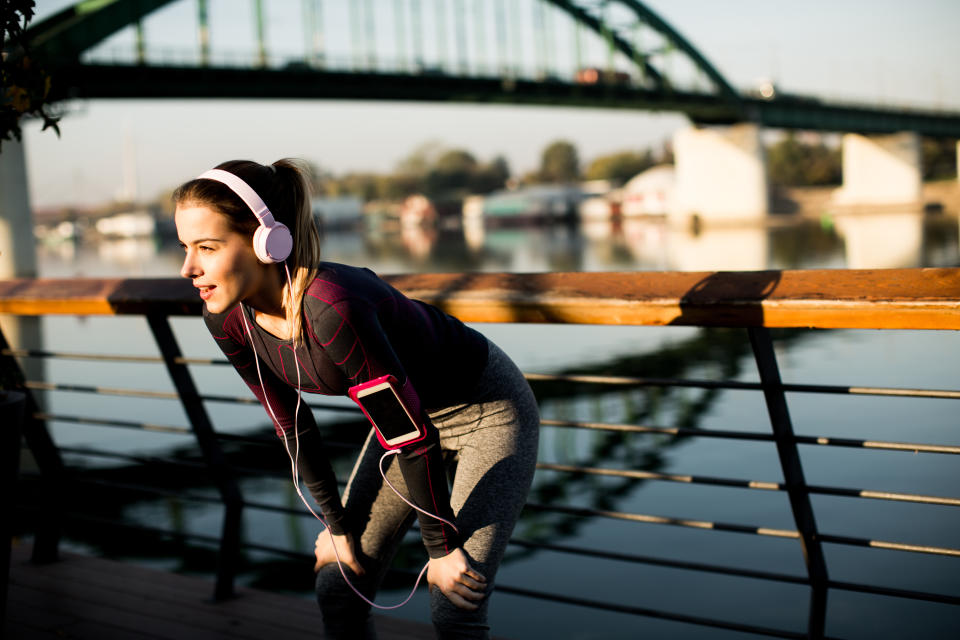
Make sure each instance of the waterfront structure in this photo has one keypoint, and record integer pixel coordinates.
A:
(342, 212)
(667, 73)
(652, 192)
(131, 224)
(535, 204)
(755, 302)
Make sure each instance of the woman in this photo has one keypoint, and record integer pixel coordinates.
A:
(289, 322)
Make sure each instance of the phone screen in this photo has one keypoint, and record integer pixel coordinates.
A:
(389, 416)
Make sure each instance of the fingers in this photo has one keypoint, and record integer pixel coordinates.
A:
(457, 579)
(355, 567)
(472, 584)
(467, 590)
(471, 594)
(476, 576)
(458, 601)
(331, 548)
(321, 552)
(463, 596)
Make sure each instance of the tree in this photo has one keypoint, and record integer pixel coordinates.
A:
(491, 176)
(452, 172)
(398, 186)
(559, 162)
(619, 167)
(24, 85)
(318, 179)
(366, 186)
(420, 159)
(939, 158)
(792, 162)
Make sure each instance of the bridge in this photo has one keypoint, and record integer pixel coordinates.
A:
(610, 54)
(616, 54)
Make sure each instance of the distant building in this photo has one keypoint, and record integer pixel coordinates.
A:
(337, 213)
(534, 204)
(650, 193)
(133, 224)
(417, 210)
(601, 207)
(596, 75)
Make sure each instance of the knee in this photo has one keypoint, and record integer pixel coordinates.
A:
(334, 595)
(345, 614)
(454, 623)
(328, 582)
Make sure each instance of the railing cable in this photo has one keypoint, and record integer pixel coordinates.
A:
(631, 381)
(739, 528)
(746, 484)
(735, 385)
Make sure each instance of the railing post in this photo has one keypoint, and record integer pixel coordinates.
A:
(46, 541)
(11, 408)
(206, 438)
(792, 468)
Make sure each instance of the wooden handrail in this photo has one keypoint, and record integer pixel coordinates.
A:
(835, 299)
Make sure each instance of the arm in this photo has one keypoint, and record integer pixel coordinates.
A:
(359, 346)
(312, 463)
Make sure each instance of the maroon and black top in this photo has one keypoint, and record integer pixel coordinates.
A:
(356, 328)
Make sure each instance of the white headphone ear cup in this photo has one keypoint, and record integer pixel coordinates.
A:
(272, 244)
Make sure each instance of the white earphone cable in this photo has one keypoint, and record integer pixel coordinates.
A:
(294, 466)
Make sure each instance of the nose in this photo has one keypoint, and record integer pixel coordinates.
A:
(190, 269)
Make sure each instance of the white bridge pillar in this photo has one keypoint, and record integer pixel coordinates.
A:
(721, 175)
(18, 253)
(881, 170)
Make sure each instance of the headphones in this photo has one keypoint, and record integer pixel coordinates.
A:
(272, 241)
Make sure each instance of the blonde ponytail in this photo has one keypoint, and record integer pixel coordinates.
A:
(304, 260)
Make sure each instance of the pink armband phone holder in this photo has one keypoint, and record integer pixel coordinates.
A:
(395, 422)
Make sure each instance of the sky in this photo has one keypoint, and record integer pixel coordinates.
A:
(880, 51)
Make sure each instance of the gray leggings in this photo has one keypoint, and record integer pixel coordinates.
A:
(492, 442)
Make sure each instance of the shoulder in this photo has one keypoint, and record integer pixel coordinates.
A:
(340, 284)
(339, 296)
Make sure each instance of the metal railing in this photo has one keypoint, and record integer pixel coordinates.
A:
(755, 302)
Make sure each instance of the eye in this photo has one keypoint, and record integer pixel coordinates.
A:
(205, 248)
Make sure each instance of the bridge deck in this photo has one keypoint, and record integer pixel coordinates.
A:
(92, 598)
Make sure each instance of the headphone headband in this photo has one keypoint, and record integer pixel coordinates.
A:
(245, 192)
(272, 242)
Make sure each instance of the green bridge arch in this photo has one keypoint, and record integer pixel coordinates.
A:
(62, 39)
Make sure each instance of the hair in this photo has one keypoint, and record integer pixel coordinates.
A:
(284, 188)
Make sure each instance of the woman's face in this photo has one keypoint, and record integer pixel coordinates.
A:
(220, 262)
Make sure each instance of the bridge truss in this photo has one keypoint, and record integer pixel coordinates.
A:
(597, 53)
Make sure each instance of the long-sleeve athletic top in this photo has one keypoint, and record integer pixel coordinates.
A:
(356, 328)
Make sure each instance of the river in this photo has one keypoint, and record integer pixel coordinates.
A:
(913, 359)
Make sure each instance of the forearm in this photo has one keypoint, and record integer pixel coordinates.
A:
(425, 477)
(314, 468)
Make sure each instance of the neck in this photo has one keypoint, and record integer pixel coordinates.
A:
(268, 300)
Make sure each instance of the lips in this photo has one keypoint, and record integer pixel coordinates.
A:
(206, 291)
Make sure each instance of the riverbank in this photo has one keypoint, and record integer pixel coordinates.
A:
(941, 196)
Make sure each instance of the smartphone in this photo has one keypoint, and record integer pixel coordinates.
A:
(384, 409)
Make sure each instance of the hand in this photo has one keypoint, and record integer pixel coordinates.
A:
(456, 579)
(325, 553)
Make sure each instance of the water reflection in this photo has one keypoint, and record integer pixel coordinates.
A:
(882, 240)
(113, 258)
(728, 249)
(860, 241)
(128, 252)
